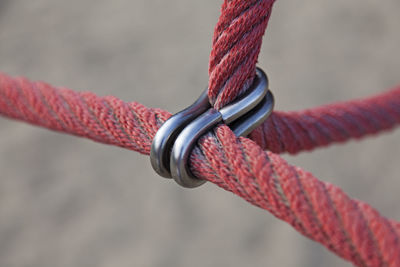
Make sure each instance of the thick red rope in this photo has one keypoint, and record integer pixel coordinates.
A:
(307, 129)
(319, 210)
(236, 45)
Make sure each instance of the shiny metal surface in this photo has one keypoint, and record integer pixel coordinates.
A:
(175, 139)
(249, 100)
(166, 135)
(183, 146)
(255, 117)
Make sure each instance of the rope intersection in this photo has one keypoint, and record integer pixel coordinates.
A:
(321, 211)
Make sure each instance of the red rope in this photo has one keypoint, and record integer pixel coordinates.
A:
(236, 45)
(319, 210)
(321, 126)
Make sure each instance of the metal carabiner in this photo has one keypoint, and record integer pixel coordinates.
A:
(183, 129)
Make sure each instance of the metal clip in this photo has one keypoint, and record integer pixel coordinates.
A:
(175, 139)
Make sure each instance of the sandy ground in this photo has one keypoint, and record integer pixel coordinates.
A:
(66, 201)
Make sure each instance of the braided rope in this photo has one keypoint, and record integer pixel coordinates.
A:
(307, 129)
(236, 45)
(318, 210)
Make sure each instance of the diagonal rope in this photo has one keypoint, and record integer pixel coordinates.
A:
(321, 211)
(318, 210)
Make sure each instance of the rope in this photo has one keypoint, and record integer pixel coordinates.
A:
(350, 228)
(307, 129)
(236, 45)
(319, 210)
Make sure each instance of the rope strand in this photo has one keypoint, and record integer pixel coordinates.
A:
(236, 45)
(319, 210)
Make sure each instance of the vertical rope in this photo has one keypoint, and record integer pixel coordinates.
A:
(236, 45)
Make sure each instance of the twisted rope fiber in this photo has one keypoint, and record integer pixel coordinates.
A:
(319, 210)
(236, 44)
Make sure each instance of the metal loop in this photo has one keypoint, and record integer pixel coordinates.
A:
(164, 139)
(183, 129)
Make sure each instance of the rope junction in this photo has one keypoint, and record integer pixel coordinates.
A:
(174, 141)
(319, 210)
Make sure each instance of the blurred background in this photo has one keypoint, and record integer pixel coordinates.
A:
(66, 201)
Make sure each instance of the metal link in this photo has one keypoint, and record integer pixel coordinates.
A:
(183, 129)
(164, 139)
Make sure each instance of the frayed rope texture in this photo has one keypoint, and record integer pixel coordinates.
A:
(321, 211)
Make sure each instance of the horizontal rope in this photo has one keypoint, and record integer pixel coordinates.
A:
(319, 210)
(307, 129)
